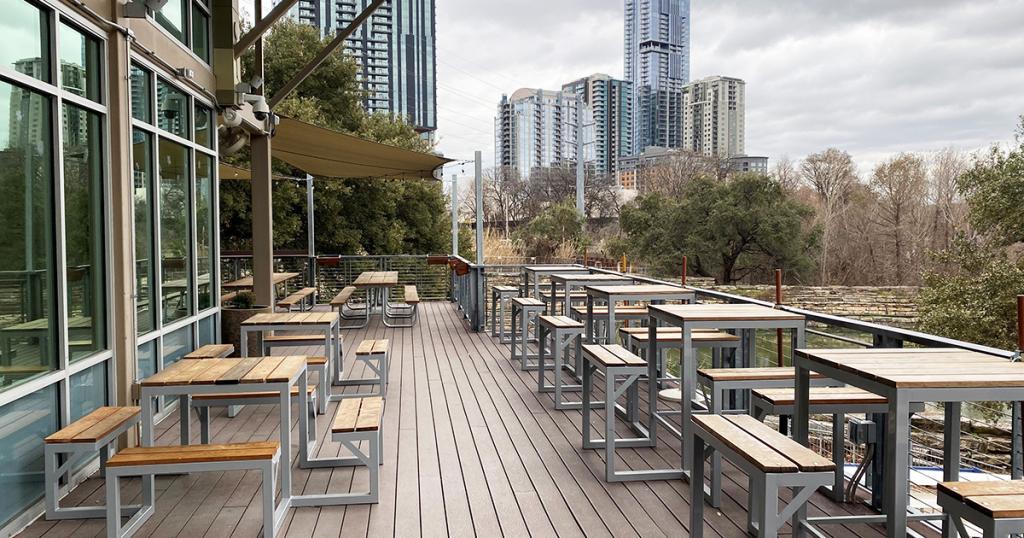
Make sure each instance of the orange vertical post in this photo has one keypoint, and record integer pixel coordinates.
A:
(683, 278)
(778, 332)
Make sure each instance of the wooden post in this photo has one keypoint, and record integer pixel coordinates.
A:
(622, 264)
(683, 279)
(778, 303)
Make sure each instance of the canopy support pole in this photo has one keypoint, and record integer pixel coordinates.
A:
(455, 215)
(479, 184)
(311, 230)
(262, 222)
(580, 170)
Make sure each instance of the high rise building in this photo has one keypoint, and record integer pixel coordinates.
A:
(538, 128)
(713, 117)
(657, 63)
(395, 49)
(607, 119)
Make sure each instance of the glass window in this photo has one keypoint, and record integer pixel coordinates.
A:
(141, 94)
(26, 34)
(175, 242)
(83, 210)
(27, 325)
(147, 360)
(177, 344)
(26, 422)
(172, 18)
(145, 265)
(204, 229)
(88, 391)
(200, 33)
(172, 109)
(208, 330)
(204, 126)
(79, 62)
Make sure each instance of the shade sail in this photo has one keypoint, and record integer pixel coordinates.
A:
(323, 152)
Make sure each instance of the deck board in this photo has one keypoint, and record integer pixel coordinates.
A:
(470, 448)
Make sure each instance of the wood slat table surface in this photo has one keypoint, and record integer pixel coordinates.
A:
(726, 312)
(292, 318)
(923, 368)
(228, 371)
(637, 290)
(247, 282)
(376, 279)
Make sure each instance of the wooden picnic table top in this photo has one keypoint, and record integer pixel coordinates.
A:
(645, 290)
(556, 269)
(931, 368)
(292, 318)
(247, 282)
(369, 279)
(725, 312)
(228, 371)
(594, 277)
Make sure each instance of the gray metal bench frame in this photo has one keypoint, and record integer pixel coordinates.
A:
(523, 314)
(499, 298)
(272, 516)
(991, 527)
(202, 407)
(76, 453)
(371, 458)
(378, 362)
(561, 339)
(763, 516)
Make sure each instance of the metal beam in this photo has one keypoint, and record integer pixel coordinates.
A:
(324, 54)
(262, 25)
(479, 187)
(455, 215)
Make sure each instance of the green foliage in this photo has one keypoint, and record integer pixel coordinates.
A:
(557, 225)
(994, 189)
(244, 300)
(352, 216)
(731, 229)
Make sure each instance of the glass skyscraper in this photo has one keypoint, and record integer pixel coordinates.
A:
(395, 50)
(657, 63)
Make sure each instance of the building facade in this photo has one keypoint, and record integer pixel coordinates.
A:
(748, 163)
(657, 64)
(395, 51)
(714, 111)
(537, 128)
(108, 191)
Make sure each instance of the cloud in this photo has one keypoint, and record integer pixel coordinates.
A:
(873, 77)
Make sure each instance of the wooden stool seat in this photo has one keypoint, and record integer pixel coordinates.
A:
(611, 355)
(994, 506)
(621, 312)
(674, 335)
(372, 347)
(561, 322)
(358, 415)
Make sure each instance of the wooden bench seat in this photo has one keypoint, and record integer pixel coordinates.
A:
(611, 355)
(674, 335)
(772, 462)
(151, 461)
(564, 333)
(310, 339)
(561, 322)
(297, 299)
(505, 289)
(358, 415)
(412, 296)
(372, 347)
(994, 506)
(526, 302)
(96, 433)
(783, 373)
(375, 354)
(561, 294)
(820, 396)
(621, 312)
(212, 351)
(310, 390)
(343, 296)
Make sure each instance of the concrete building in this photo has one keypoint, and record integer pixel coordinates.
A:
(657, 63)
(747, 163)
(395, 51)
(713, 117)
(537, 128)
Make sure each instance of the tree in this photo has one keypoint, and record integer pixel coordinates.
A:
(994, 190)
(949, 214)
(559, 227)
(380, 216)
(901, 185)
(832, 174)
(786, 173)
(742, 227)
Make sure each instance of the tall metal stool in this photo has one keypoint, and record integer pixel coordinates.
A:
(564, 332)
(500, 297)
(524, 309)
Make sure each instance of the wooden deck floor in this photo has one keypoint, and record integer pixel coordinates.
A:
(470, 449)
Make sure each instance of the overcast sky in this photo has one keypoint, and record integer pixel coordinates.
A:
(873, 77)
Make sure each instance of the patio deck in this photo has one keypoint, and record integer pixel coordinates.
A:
(470, 449)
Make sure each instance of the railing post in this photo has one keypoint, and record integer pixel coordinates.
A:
(1017, 426)
(879, 463)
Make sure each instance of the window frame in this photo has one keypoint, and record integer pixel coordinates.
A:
(189, 42)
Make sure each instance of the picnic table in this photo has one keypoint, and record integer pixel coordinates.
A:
(907, 376)
(571, 281)
(227, 376)
(536, 272)
(247, 282)
(326, 323)
(378, 286)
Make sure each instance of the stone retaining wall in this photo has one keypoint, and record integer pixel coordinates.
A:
(894, 305)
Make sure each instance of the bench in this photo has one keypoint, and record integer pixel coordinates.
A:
(626, 314)
(343, 301)
(79, 441)
(621, 371)
(203, 402)
(407, 309)
(564, 332)
(500, 296)
(356, 420)
(212, 351)
(374, 354)
(299, 299)
(835, 401)
(995, 507)
(771, 460)
(524, 309)
(162, 460)
(637, 340)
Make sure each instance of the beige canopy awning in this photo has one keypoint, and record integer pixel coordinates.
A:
(323, 152)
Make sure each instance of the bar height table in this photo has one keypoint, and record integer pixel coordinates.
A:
(536, 272)
(612, 294)
(904, 377)
(571, 281)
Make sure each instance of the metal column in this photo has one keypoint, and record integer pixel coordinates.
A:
(479, 187)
